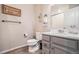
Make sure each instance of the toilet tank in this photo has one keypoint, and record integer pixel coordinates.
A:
(39, 35)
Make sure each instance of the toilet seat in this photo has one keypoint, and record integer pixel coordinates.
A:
(32, 42)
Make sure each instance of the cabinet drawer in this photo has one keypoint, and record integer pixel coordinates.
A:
(46, 37)
(52, 50)
(65, 42)
(59, 51)
(65, 49)
(45, 44)
(45, 51)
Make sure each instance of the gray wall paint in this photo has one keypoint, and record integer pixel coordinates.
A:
(11, 34)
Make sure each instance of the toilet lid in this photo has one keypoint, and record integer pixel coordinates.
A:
(32, 40)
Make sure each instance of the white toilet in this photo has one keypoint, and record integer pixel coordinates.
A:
(33, 43)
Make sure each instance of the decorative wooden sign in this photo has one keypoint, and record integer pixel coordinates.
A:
(11, 10)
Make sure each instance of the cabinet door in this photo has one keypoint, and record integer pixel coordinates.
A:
(46, 38)
(45, 44)
(65, 42)
(64, 49)
(45, 50)
(52, 51)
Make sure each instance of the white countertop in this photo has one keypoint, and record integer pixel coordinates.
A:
(65, 35)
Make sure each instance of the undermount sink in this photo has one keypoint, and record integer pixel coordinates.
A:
(64, 33)
(68, 32)
(75, 33)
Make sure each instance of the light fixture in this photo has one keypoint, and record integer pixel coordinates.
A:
(45, 19)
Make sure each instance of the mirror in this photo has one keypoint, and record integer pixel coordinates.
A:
(57, 17)
(58, 20)
(68, 18)
(71, 17)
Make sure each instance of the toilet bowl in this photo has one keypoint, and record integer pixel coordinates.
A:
(34, 41)
(33, 44)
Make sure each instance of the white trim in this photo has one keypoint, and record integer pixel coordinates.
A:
(13, 49)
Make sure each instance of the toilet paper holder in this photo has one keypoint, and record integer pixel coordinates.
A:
(25, 35)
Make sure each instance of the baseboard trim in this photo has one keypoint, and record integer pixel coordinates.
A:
(12, 49)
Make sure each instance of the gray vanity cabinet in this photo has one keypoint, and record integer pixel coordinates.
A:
(70, 43)
(52, 50)
(45, 50)
(46, 38)
(59, 45)
(46, 44)
(59, 51)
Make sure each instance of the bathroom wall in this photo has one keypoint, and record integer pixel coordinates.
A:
(41, 10)
(55, 16)
(47, 10)
(12, 34)
(38, 21)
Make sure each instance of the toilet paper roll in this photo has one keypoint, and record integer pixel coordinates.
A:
(25, 35)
